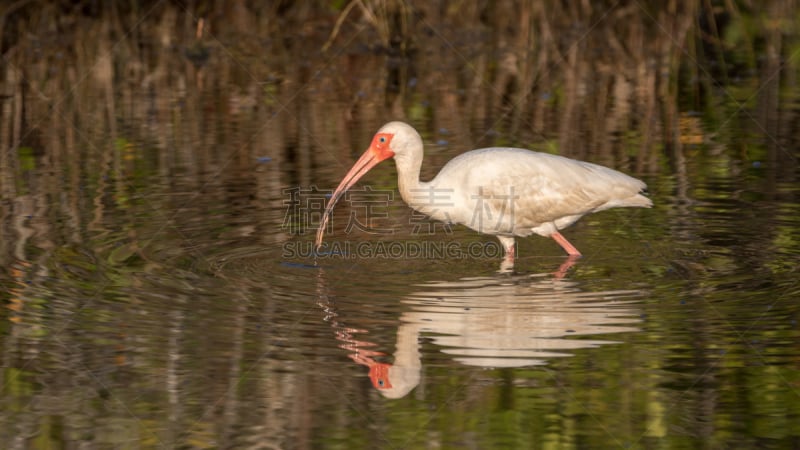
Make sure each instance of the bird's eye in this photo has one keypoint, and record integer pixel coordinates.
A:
(380, 382)
(382, 139)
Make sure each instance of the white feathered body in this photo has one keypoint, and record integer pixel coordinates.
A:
(517, 192)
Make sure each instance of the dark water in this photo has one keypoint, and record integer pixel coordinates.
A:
(161, 292)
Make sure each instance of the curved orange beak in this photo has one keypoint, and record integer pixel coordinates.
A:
(378, 151)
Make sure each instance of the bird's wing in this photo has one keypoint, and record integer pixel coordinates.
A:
(516, 190)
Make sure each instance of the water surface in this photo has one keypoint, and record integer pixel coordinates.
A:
(159, 209)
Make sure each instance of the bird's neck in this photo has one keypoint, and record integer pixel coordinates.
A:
(422, 196)
(408, 182)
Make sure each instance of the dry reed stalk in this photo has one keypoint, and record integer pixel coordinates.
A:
(381, 26)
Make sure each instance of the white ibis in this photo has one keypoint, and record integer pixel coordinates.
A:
(505, 192)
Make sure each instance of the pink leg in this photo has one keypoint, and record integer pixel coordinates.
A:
(564, 243)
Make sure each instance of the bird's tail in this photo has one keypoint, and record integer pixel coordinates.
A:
(637, 201)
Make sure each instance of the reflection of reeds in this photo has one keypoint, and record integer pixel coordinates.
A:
(388, 18)
(603, 81)
(607, 82)
(584, 69)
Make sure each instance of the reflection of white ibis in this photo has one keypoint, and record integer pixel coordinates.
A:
(496, 322)
(506, 192)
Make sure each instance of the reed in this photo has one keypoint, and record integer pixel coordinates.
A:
(604, 78)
